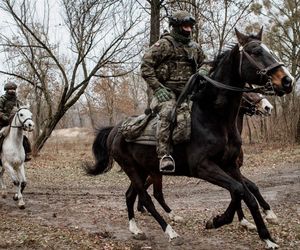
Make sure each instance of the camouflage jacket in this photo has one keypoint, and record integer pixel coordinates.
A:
(171, 63)
(7, 103)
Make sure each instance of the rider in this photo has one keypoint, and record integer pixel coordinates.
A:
(166, 67)
(7, 103)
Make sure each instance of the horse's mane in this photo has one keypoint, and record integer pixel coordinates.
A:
(220, 58)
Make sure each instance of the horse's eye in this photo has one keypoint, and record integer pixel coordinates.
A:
(21, 114)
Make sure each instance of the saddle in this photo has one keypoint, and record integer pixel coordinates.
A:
(143, 129)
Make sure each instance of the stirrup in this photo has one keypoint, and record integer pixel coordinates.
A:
(169, 166)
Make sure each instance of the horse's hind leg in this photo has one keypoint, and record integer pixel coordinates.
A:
(158, 194)
(2, 184)
(130, 199)
(156, 180)
(242, 219)
(147, 184)
(270, 215)
(138, 186)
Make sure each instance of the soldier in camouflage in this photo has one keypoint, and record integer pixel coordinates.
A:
(166, 67)
(7, 103)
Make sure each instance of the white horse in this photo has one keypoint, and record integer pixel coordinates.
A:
(13, 154)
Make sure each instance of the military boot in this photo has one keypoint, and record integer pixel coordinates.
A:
(167, 164)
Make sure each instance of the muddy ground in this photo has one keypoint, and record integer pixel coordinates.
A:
(65, 209)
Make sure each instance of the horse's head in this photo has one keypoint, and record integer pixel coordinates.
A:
(23, 119)
(264, 106)
(257, 65)
(256, 104)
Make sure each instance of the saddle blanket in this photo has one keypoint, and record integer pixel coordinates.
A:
(143, 129)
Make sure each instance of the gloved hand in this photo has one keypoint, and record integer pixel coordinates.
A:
(203, 71)
(162, 94)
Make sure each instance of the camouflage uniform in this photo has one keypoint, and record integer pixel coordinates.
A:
(169, 63)
(7, 103)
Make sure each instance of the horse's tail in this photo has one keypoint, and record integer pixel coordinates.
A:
(101, 153)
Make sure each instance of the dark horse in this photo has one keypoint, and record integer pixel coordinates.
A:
(251, 104)
(215, 140)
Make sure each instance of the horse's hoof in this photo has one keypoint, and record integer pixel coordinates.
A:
(21, 206)
(177, 241)
(247, 225)
(3, 195)
(271, 217)
(210, 223)
(271, 244)
(140, 236)
(274, 221)
(15, 197)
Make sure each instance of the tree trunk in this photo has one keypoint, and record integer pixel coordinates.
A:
(154, 21)
(43, 137)
(154, 34)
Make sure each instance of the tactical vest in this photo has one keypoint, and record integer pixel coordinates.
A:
(9, 104)
(176, 69)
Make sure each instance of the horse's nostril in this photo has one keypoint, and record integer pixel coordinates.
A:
(267, 108)
(287, 82)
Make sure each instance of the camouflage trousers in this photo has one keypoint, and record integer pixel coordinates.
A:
(163, 132)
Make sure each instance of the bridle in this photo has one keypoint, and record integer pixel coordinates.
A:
(19, 119)
(262, 71)
(251, 109)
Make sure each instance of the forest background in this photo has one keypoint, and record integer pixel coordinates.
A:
(77, 62)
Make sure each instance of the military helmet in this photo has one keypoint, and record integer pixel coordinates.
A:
(181, 17)
(10, 85)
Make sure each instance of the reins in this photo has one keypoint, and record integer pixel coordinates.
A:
(232, 88)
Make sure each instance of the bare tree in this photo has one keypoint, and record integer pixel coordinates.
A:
(102, 34)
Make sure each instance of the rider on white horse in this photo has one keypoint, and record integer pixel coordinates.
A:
(8, 102)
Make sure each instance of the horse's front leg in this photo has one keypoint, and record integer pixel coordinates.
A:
(2, 184)
(12, 173)
(20, 188)
(231, 180)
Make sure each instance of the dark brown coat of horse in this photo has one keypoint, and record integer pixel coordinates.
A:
(215, 140)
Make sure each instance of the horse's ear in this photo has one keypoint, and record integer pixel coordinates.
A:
(27, 105)
(259, 34)
(242, 39)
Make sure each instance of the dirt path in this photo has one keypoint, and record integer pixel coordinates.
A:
(66, 209)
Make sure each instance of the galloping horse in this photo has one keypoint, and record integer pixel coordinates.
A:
(251, 104)
(215, 140)
(13, 154)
